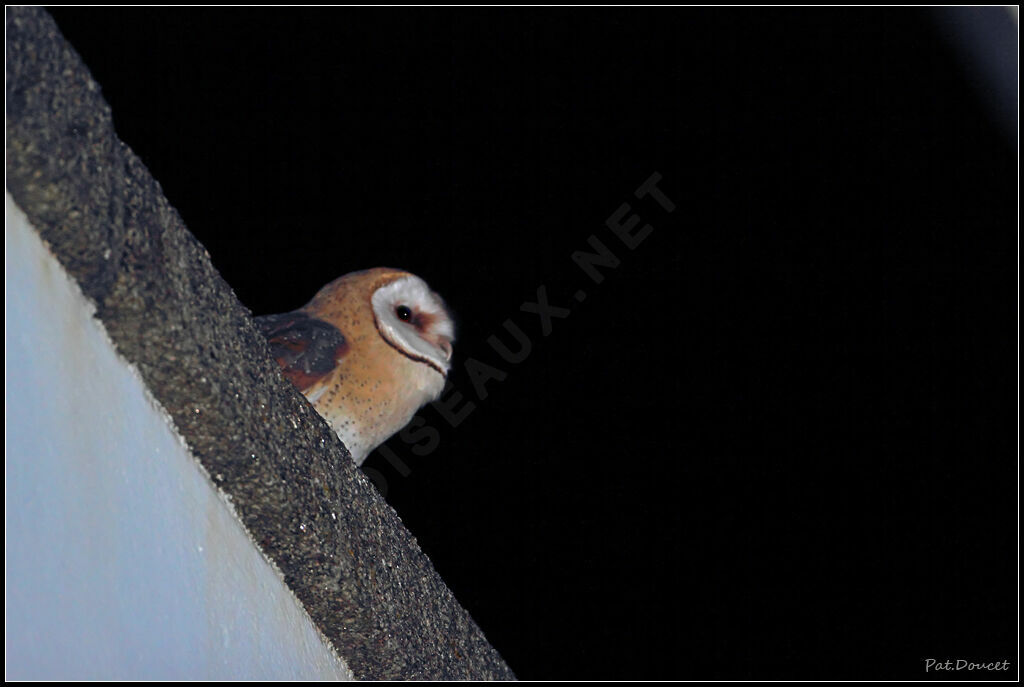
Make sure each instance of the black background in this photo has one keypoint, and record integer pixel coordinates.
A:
(777, 441)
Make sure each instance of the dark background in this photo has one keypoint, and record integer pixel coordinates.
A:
(778, 440)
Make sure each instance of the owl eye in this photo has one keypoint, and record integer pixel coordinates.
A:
(404, 313)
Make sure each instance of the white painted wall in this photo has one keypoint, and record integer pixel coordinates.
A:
(122, 560)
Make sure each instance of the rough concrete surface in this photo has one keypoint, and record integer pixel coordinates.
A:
(340, 547)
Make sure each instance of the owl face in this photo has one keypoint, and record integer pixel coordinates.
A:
(413, 319)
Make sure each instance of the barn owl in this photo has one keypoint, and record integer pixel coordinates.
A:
(368, 351)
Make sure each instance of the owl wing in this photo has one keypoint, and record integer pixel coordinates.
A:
(306, 348)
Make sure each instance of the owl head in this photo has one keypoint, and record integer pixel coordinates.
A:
(411, 318)
(395, 309)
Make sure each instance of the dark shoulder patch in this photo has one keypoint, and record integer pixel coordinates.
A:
(305, 347)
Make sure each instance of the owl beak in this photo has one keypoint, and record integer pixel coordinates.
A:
(445, 345)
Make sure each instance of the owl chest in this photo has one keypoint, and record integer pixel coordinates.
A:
(377, 396)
